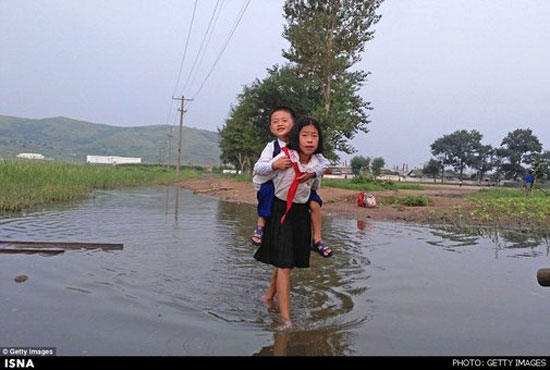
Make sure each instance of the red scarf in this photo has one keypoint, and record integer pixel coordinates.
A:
(293, 186)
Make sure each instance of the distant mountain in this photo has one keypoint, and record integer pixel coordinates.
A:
(70, 140)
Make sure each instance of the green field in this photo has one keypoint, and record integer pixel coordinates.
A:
(26, 184)
(500, 205)
(503, 207)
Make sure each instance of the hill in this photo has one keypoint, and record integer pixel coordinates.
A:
(71, 140)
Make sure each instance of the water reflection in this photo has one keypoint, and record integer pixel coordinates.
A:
(309, 343)
(186, 284)
(506, 242)
(323, 297)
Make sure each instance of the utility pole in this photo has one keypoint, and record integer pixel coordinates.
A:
(169, 146)
(182, 111)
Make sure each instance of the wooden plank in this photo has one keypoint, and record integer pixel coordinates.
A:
(64, 245)
(30, 251)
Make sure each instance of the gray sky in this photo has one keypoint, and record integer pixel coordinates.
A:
(437, 65)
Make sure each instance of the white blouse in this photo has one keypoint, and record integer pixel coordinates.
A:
(283, 179)
(263, 170)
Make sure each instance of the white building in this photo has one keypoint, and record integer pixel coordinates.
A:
(101, 159)
(30, 156)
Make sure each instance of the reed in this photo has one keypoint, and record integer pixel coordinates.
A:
(25, 184)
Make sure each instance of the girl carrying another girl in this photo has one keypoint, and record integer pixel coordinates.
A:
(286, 243)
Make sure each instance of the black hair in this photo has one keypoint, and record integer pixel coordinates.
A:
(294, 136)
(284, 109)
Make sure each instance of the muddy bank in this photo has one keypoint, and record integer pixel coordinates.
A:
(342, 202)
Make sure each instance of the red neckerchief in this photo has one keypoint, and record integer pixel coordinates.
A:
(293, 186)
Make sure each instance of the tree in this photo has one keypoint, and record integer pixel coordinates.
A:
(246, 130)
(376, 166)
(458, 149)
(326, 38)
(359, 164)
(518, 148)
(483, 161)
(432, 168)
(541, 166)
(238, 136)
(545, 164)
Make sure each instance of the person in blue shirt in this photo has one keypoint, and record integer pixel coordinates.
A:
(529, 182)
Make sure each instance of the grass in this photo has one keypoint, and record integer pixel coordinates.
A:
(407, 200)
(503, 206)
(244, 177)
(369, 186)
(340, 183)
(511, 204)
(25, 184)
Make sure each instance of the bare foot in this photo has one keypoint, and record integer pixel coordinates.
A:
(286, 325)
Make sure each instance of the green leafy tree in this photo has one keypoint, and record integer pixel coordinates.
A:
(432, 168)
(520, 147)
(239, 138)
(483, 161)
(458, 149)
(541, 166)
(326, 38)
(376, 166)
(246, 130)
(359, 164)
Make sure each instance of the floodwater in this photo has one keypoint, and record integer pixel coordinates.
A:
(186, 284)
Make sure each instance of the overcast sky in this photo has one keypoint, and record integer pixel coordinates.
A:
(436, 65)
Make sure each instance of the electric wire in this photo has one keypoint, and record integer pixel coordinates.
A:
(232, 32)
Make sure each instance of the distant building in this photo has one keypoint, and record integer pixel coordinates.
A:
(339, 172)
(388, 175)
(30, 156)
(100, 159)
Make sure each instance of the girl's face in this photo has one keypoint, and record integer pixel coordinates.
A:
(309, 139)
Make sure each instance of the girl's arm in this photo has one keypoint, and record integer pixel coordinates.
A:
(321, 166)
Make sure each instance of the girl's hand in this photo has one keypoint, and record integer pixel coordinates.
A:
(306, 176)
(282, 163)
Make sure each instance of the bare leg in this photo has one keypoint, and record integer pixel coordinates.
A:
(283, 291)
(261, 221)
(315, 220)
(272, 290)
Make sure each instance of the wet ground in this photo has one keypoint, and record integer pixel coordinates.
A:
(186, 284)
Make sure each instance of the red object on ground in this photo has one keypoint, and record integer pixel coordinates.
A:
(361, 199)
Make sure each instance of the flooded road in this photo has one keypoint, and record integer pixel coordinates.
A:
(186, 284)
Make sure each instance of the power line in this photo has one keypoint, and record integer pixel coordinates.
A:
(202, 44)
(208, 41)
(235, 25)
(182, 59)
(185, 50)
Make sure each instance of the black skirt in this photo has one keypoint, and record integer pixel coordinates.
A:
(287, 245)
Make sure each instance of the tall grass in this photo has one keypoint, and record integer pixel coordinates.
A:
(25, 184)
